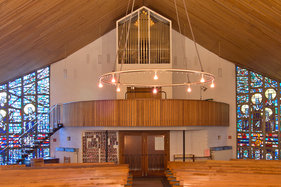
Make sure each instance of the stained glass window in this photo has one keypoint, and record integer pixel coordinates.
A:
(258, 128)
(24, 102)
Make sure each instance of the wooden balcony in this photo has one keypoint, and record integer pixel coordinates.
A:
(146, 113)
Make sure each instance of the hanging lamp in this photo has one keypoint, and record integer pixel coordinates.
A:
(139, 42)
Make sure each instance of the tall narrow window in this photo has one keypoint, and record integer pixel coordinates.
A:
(257, 116)
(24, 102)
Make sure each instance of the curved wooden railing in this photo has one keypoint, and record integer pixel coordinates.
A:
(146, 112)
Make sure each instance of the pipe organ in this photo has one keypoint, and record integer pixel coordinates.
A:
(144, 37)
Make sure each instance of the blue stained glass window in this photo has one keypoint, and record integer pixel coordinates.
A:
(29, 89)
(43, 86)
(29, 140)
(42, 109)
(23, 102)
(3, 142)
(15, 101)
(257, 153)
(43, 126)
(242, 111)
(43, 100)
(14, 115)
(14, 141)
(243, 125)
(272, 154)
(14, 155)
(242, 99)
(43, 73)
(243, 139)
(241, 72)
(15, 128)
(270, 83)
(271, 140)
(27, 124)
(242, 153)
(29, 79)
(256, 80)
(2, 128)
(29, 99)
(3, 87)
(257, 140)
(256, 90)
(16, 91)
(242, 85)
(43, 152)
(14, 84)
(43, 136)
(258, 113)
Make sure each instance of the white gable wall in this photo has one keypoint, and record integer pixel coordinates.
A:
(76, 78)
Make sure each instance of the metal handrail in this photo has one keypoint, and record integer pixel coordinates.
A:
(24, 133)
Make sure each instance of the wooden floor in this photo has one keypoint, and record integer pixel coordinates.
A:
(150, 182)
(147, 182)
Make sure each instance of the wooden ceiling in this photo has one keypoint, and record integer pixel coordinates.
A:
(35, 33)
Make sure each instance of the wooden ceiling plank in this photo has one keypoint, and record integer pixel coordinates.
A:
(235, 59)
(79, 24)
(37, 33)
(256, 17)
(241, 36)
(204, 33)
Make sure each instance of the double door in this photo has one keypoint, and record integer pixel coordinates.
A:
(146, 152)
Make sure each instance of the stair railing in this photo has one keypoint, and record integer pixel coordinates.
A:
(52, 109)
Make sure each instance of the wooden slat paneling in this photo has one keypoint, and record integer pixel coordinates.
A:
(37, 33)
(146, 112)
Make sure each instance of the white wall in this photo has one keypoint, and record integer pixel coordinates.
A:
(76, 77)
(184, 56)
(196, 140)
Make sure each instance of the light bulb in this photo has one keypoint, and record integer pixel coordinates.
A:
(212, 85)
(155, 76)
(100, 85)
(188, 89)
(118, 89)
(202, 79)
(155, 91)
(113, 79)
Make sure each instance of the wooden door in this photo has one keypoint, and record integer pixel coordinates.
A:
(146, 152)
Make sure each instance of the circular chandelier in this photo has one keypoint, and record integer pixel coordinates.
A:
(153, 77)
(193, 78)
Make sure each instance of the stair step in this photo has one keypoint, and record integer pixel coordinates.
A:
(29, 151)
(25, 155)
(21, 160)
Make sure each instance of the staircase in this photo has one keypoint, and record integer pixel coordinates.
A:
(29, 151)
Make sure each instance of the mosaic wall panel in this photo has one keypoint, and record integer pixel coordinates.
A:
(94, 146)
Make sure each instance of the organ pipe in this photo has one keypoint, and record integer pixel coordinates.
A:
(148, 41)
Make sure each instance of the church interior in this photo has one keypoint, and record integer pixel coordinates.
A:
(140, 93)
